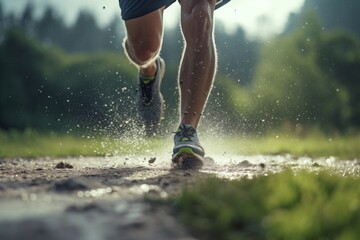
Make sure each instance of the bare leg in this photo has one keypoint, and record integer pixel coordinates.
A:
(143, 41)
(198, 62)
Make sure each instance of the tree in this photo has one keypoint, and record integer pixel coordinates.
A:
(41, 87)
(21, 74)
(85, 35)
(51, 29)
(27, 21)
(340, 58)
(238, 55)
(292, 85)
(334, 14)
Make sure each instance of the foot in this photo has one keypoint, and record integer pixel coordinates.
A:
(150, 101)
(187, 152)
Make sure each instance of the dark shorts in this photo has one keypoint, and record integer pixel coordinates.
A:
(136, 8)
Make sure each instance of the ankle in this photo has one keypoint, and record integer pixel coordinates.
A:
(149, 71)
(187, 125)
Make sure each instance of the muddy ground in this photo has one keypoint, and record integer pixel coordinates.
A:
(118, 197)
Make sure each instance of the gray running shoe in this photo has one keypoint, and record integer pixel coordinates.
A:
(150, 101)
(187, 152)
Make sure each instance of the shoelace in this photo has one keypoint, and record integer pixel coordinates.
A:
(146, 92)
(185, 133)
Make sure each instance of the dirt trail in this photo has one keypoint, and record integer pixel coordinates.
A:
(108, 198)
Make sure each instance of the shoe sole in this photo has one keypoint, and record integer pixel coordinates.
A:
(186, 158)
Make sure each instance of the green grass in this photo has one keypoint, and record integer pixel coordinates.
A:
(33, 144)
(344, 147)
(279, 206)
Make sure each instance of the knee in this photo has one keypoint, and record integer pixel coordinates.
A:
(197, 17)
(142, 50)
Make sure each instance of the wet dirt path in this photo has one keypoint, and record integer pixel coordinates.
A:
(117, 197)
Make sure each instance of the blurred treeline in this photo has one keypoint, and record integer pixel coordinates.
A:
(70, 78)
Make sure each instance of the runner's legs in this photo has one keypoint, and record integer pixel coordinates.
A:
(198, 62)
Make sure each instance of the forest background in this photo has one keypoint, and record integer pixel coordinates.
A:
(75, 78)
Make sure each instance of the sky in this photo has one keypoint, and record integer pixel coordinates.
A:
(259, 18)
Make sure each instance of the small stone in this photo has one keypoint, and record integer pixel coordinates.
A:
(69, 185)
(62, 165)
(244, 163)
(84, 208)
(316, 165)
(152, 160)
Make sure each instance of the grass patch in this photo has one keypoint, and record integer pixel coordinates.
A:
(30, 143)
(279, 206)
(343, 147)
(33, 144)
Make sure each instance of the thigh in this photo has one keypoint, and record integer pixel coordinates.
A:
(147, 29)
(196, 17)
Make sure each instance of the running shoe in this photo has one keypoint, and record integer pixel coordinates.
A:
(187, 152)
(150, 101)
